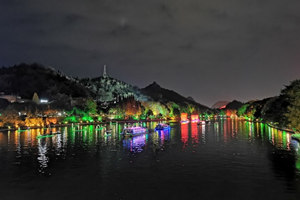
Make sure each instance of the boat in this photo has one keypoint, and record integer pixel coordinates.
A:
(132, 131)
(51, 134)
(162, 127)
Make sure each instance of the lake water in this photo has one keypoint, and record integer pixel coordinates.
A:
(226, 159)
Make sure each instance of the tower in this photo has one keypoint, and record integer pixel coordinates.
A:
(104, 71)
(36, 98)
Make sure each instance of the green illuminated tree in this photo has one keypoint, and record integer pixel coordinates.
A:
(242, 111)
(117, 112)
(251, 112)
(191, 109)
(91, 106)
(173, 109)
(222, 113)
(157, 109)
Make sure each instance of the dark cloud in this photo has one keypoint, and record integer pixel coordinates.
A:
(211, 50)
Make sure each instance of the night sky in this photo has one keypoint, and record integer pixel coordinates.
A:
(211, 50)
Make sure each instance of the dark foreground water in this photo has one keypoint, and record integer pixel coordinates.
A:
(226, 159)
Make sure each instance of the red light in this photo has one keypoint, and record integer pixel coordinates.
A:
(195, 136)
(195, 118)
(184, 117)
(184, 134)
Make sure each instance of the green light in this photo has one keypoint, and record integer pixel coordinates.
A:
(91, 129)
(43, 136)
(72, 119)
(296, 136)
(87, 118)
(298, 163)
(242, 110)
(75, 114)
(135, 117)
(99, 128)
(21, 131)
(284, 141)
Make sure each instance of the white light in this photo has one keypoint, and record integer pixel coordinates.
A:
(44, 101)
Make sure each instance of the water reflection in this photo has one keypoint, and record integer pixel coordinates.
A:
(164, 135)
(195, 134)
(94, 138)
(297, 150)
(203, 136)
(42, 155)
(135, 144)
(184, 134)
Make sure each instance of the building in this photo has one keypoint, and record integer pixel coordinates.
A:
(11, 98)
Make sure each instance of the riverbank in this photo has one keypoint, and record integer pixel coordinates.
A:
(128, 121)
(82, 124)
(281, 129)
(271, 125)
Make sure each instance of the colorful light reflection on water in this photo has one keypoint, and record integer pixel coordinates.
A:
(200, 150)
(224, 130)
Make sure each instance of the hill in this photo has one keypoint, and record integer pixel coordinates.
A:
(25, 79)
(234, 105)
(108, 89)
(157, 93)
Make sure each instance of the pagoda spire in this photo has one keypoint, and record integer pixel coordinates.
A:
(104, 71)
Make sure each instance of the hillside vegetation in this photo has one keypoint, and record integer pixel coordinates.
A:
(24, 80)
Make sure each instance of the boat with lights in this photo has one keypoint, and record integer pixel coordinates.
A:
(132, 131)
(160, 127)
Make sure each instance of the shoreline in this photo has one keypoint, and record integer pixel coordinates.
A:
(281, 129)
(82, 124)
(129, 121)
(273, 126)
